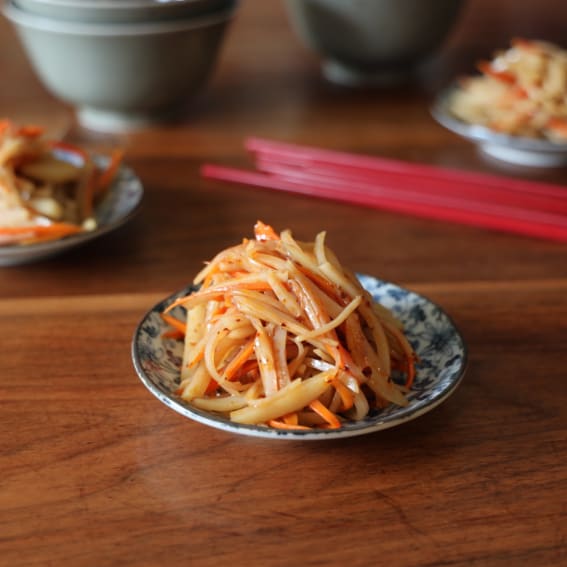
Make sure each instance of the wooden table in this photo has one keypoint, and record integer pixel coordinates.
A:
(95, 471)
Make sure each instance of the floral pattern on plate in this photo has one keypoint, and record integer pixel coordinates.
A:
(436, 340)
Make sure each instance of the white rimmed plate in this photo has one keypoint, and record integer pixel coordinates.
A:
(439, 345)
(511, 149)
(121, 202)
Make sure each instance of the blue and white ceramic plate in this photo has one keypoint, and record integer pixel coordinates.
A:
(122, 201)
(439, 345)
(512, 149)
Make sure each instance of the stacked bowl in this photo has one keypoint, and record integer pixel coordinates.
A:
(122, 63)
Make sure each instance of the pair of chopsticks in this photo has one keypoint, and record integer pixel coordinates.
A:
(476, 199)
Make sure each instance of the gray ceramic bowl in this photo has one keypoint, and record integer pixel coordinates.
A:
(121, 76)
(372, 41)
(121, 11)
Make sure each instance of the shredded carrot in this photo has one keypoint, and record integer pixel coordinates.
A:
(237, 274)
(173, 334)
(281, 425)
(325, 413)
(408, 353)
(212, 387)
(109, 173)
(207, 282)
(5, 125)
(504, 76)
(558, 125)
(197, 356)
(250, 367)
(331, 289)
(218, 292)
(257, 286)
(264, 232)
(410, 369)
(291, 419)
(54, 229)
(30, 131)
(346, 395)
(523, 43)
(238, 361)
(174, 322)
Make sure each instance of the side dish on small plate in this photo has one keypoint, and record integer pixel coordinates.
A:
(516, 108)
(276, 338)
(54, 196)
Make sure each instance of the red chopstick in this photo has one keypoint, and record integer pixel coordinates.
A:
(401, 198)
(491, 201)
(336, 161)
(425, 185)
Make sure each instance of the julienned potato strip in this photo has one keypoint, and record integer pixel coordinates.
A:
(281, 334)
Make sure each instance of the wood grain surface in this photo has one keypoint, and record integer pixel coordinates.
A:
(94, 471)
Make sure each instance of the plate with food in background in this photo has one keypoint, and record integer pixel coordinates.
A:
(275, 338)
(516, 108)
(55, 196)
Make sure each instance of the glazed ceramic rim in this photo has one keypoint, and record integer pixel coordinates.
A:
(400, 416)
(43, 23)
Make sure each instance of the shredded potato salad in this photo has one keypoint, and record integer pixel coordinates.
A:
(43, 195)
(280, 334)
(522, 91)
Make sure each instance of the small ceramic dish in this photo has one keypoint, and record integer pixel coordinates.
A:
(120, 204)
(512, 149)
(440, 347)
